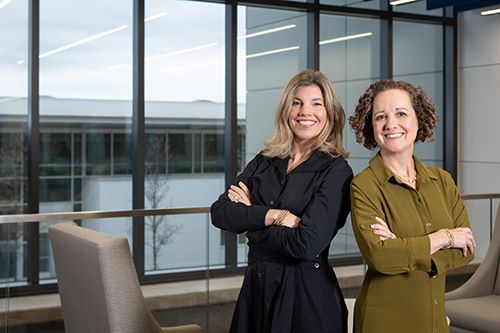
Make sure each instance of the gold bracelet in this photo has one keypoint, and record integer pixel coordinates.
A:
(281, 217)
(451, 239)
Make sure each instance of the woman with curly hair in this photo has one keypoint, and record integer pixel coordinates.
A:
(291, 200)
(408, 218)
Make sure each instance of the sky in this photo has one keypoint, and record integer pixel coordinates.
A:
(86, 50)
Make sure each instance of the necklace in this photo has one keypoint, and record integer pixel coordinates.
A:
(410, 181)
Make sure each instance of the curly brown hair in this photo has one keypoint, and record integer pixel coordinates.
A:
(361, 121)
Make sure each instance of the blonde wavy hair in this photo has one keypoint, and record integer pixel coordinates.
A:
(330, 139)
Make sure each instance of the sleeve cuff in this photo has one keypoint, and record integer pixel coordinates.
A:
(421, 254)
(256, 215)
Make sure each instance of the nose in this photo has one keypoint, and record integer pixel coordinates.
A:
(390, 122)
(305, 109)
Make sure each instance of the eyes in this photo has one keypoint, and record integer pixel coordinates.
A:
(298, 102)
(381, 116)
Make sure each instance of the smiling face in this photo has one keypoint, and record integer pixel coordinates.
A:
(394, 122)
(308, 114)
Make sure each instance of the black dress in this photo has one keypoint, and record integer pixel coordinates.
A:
(289, 285)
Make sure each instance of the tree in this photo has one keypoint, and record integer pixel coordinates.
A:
(11, 199)
(156, 190)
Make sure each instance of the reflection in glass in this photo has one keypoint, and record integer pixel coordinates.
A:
(13, 115)
(184, 111)
(417, 7)
(84, 109)
(370, 4)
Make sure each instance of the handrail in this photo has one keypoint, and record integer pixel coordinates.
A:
(40, 217)
(481, 196)
(490, 197)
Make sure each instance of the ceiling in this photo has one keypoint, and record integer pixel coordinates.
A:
(461, 5)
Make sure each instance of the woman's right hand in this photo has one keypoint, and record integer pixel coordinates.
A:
(458, 238)
(463, 239)
(240, 193)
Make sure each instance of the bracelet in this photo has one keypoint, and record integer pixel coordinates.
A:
(451, 239)
(281, 217)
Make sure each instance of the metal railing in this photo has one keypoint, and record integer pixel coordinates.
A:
(489, 197)
(44, 217)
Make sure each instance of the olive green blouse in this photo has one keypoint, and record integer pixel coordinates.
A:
(404, 286)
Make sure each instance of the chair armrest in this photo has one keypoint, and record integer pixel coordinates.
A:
(183, 329)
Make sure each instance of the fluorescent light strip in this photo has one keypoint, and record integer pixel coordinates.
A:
(341, 39)
(490, 12)
(4, 3)
(269, 31)
(192, 49)
(400, 2)
(154, 17)
(94, 37)
(260, 54)
(83, 41)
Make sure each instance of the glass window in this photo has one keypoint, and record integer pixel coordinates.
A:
(55, 154)
(416, 7)
(55, 189)
(13, 111)
(185, 97)
(98, 153)
(122, 154)
(371, 4)
(156, 154)
(350, 57)
(85, 87)
(197, 154)
(213, 148)
(418, 59)
(180, 153)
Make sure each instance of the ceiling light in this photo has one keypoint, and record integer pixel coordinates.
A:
(82, 41)
(170, 54)
(260, 54)
(348, 37)
(4, 3)
(154, 17)
(265, 32)
(490, 12)
(400, 2)
(87, 39)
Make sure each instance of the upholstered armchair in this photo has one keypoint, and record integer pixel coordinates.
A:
(475, 306)
(98, 284)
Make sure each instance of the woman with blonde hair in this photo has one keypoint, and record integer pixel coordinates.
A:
(291, 200)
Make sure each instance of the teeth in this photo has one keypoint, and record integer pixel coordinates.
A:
(306, 122)
(392, 136)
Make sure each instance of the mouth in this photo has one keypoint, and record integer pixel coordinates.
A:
(306, 122)
(393, 135)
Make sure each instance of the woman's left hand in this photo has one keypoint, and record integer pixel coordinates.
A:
(240, 193)
(381, 229)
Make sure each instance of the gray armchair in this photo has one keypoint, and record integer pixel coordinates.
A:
(474, 307)
(98, 284)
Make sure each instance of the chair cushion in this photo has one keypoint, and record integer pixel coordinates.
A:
(478, 314)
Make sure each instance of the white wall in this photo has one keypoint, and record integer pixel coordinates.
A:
(479, 114)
